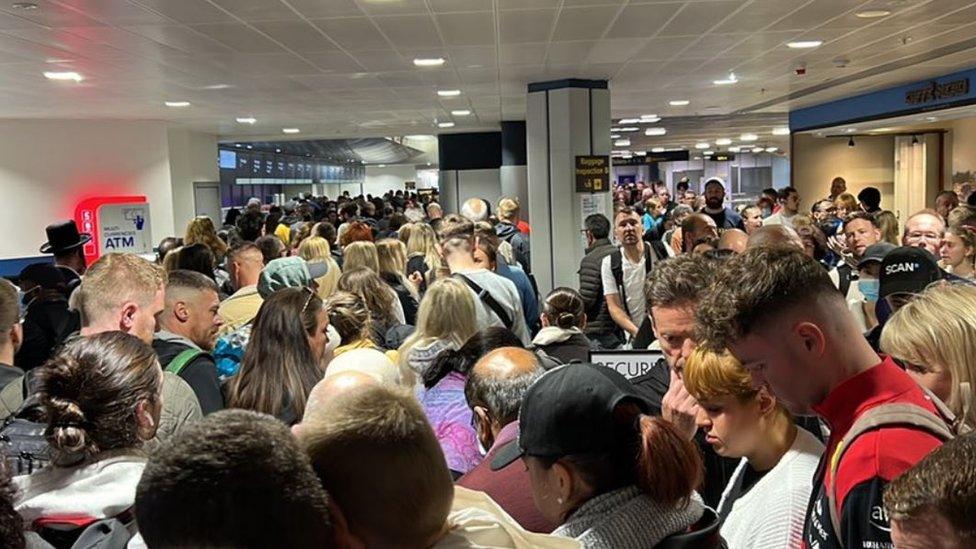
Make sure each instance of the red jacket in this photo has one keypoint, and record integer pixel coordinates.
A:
(871, 461)
(509, 486)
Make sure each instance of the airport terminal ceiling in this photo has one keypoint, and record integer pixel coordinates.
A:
(250, 69)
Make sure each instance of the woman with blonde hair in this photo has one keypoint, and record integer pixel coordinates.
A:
(361, 254)
(404, 232)
(845, 204)
(423, 254)
(932, 336)
(445, 321)
(392, 256)
(741, 421)
(201, 230)
(316, 248)
(888, 224)
(350, 317)
(381, 301)
(958, 252)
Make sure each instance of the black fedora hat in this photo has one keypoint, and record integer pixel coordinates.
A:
(63, 236)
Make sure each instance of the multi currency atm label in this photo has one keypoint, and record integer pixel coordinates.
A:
(629, 364)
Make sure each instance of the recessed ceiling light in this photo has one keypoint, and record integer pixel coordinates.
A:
(177, 104)
(238, 145)
(630, 129)
(655, 131)
(290, 130)
(614, 136)
(781, 131)
(696, 158)
(734, 149)
(621, 143)
(708, 153)
(461, 112)
(882, 129)
(650, 118)
(448, 93)
(872, 14)
(804, 44)
(748, 137)
(674, 149)
(381, 165)
(63, 75)
(428, 61)
(249, 147)
(217, 87)
(657, 150)
(702, 145)
(247, 120)
(723, 141)
(771, 149)
(626, 121)
(627, 155)
(277, 150)
(757, 150)
(445, 124)
(726, 81)
(26, 6)
(614, 130)
(678, 102)
(640, 153)
(931, 118)
(850, 130)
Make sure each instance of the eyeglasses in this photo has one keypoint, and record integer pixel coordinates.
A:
(311, 294)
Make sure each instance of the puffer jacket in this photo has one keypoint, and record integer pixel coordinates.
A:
(598, 320)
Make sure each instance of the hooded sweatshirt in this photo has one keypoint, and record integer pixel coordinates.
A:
(562, 344)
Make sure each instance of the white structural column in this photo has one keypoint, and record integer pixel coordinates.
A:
(564, 119)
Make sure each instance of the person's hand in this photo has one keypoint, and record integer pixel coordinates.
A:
(679, 407)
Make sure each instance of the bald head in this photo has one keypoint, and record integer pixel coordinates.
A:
(475, 209)
(495, 387)
(329, 390)
(696, 228)
(506, 362)
(774, 236)
(733, 239)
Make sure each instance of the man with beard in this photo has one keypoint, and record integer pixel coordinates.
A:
(724, 216)
(624, 271)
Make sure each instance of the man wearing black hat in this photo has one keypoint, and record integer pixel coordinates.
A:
(724, 216)
(48, 320)
(67, 245)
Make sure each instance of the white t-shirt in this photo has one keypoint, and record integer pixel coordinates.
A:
(633, 278)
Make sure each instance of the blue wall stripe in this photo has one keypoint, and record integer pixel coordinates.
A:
(11, 267)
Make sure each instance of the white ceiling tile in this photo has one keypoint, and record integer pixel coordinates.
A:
(643, 20)
(181, 38)
(382, 60)
(258, 10)
(410, 31)
(187, 11)
(525, 25)
(759, 15)
(337, 61)
(473, 57)
(446, 6)
(478, 76)
(526, 4)
(522, 54)
(813, 14)
(697, 18)
(298, 36)
(400, 7)
(615, 51)
(561, 53)
(664, 48)
(239, 37)
(312, 9)
(353, 33)
(467, 29)
(583, 23)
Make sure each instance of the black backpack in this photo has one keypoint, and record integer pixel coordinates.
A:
(22, 441)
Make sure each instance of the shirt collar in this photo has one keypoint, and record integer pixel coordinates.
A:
(880, 383)
(507, 434)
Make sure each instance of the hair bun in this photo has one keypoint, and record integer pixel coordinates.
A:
(66, 426)
(566, 320)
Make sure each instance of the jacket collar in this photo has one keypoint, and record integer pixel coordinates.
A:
(599, 242)
(881, 383)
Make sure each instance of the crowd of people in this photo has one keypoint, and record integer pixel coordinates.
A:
(376, 372)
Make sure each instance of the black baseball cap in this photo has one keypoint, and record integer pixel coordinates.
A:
(876, 253)
(569, 410)
(908, 270)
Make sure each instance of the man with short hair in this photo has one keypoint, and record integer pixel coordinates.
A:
(507, 230)
(689, 198)
(774, 235)
(236, 479)
(723, 216)
(379, 460)
(271, 248)
(861, 231)
(494, 391)
(924, 229)
(623, 272)
(837, 187)
(870, 200)
(496, 298)
(695, 229)
(822, 211)
(789, 202)
(188, 327)
(599, 323)
(244, 265)
(945, 202)
(734, 240)
(933, 503)
(777, 311)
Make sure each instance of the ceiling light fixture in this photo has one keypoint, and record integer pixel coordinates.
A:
(772, 149)
(748, 137)
(277, 150)
(629, 129)
(249, 147)
(726, 81)
(882, 129)
(781, 131)
(723, 141)
(626, 121)
(63, 76)
(735, 149)
(757, 150)
(804, 44)
(614, 130)
(445, 124)
(650, 118)
(448, 93)
(217, 87)
(931, 118)
(702, 145)
(614, 136)
(872, 14)
(461, 112)
(26, 6)
(428, 61)
(678, 102)
(621, 143)
(708, 153)
(290, 130)
(657, 150)
(419, 137)
(177, 104)
(247, 120)
(381, 165)
(640, 153)
(655, 131)
(850, 130)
